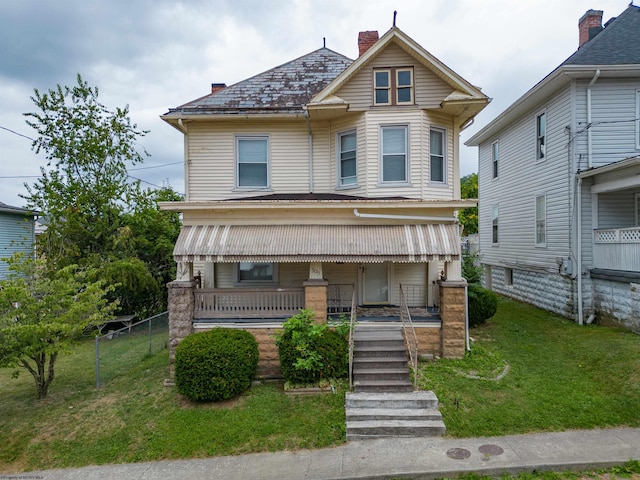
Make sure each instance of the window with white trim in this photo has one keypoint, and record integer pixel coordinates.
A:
(256, 273)
(494, 225)
(437, 162)
(393, 158)
(252, 161)
(494, 158)
(541, 220)
(541, 136)
(393, 86)
(347, 162)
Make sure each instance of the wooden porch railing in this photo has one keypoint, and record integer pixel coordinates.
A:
(248, 302)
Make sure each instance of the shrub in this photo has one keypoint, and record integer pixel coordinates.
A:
(471, 269)
(309, 352)
(483, 304)
(215, 365)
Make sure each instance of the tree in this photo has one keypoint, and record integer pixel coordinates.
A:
(85, 190)
(469, 216)
(41, 315)
(95, 216)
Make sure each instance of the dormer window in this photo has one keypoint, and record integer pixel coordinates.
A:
(393, 86)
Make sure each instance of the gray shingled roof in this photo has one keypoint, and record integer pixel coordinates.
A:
(617, 44)
(286, 88)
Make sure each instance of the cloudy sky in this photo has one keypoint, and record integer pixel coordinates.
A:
(157, 54)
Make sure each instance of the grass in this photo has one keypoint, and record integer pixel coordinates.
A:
(560, 376)
(531, 371)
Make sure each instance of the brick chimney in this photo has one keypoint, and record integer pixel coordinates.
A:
(366, 40)
(589, 26)
(217, 86)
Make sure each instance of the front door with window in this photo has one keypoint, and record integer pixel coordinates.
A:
(375, 278)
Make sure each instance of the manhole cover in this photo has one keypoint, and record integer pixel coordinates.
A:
(491, 450)
(458, 453)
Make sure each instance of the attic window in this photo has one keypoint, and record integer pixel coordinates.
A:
(393, 86)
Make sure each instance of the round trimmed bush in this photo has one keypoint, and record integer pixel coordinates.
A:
(215, 365)
(483, 304)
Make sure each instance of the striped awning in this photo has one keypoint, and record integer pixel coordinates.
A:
(318, 243)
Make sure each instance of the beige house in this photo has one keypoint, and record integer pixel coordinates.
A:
(329, 184)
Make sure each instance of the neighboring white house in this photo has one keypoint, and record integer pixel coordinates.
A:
(559, 182)
(320, 178)
(16, 234)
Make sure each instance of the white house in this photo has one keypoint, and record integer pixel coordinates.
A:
(324, 183)
(559, 182)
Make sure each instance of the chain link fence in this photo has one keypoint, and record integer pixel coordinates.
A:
(119, 350)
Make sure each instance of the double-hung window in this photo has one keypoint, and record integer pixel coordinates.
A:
(494, 225)
(437, 155)
(252, 161)
(494, 158)
(393, 86)
(394, 158)
(347, 162)
(541, 136)
(541, 220)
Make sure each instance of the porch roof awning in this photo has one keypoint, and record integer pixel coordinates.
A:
(318, 243)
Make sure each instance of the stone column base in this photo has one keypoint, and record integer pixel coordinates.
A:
(315, 298)
(181, 305)
(453, 310)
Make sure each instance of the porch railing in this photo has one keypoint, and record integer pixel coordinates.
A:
(352, 324)
(410, 336)
(617, 249)
(248, 302)
(339, 296)
(420, 295)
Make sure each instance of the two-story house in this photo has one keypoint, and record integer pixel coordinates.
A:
(17, 234)
(324, 183)
(559, 182)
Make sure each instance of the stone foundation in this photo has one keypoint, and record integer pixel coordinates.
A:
(428, 341)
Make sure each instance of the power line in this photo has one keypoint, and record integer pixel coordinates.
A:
(16, 133)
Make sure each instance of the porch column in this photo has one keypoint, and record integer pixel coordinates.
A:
(315, 292)
(453, 306)
(181, 304)
(453, 270)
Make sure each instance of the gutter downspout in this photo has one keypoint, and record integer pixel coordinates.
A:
(404, 217)
(306, 113)
(591, 83)
(579, 252)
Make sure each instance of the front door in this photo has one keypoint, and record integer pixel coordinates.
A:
(376, 283)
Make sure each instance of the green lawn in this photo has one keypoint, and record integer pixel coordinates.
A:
(560, 376)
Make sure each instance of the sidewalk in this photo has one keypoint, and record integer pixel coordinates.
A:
(414, 458)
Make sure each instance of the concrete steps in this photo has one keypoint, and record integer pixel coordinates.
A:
(380, 360)
(383, 403)
(385, 414)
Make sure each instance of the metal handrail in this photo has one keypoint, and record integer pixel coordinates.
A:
(405, 316)
(351, 336)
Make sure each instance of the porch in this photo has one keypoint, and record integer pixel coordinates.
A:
(275, 305)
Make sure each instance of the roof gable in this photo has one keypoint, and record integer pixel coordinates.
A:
(285, 88)
(397, 36)
(617, 44)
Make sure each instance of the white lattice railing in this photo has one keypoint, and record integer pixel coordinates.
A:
(617, 249)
